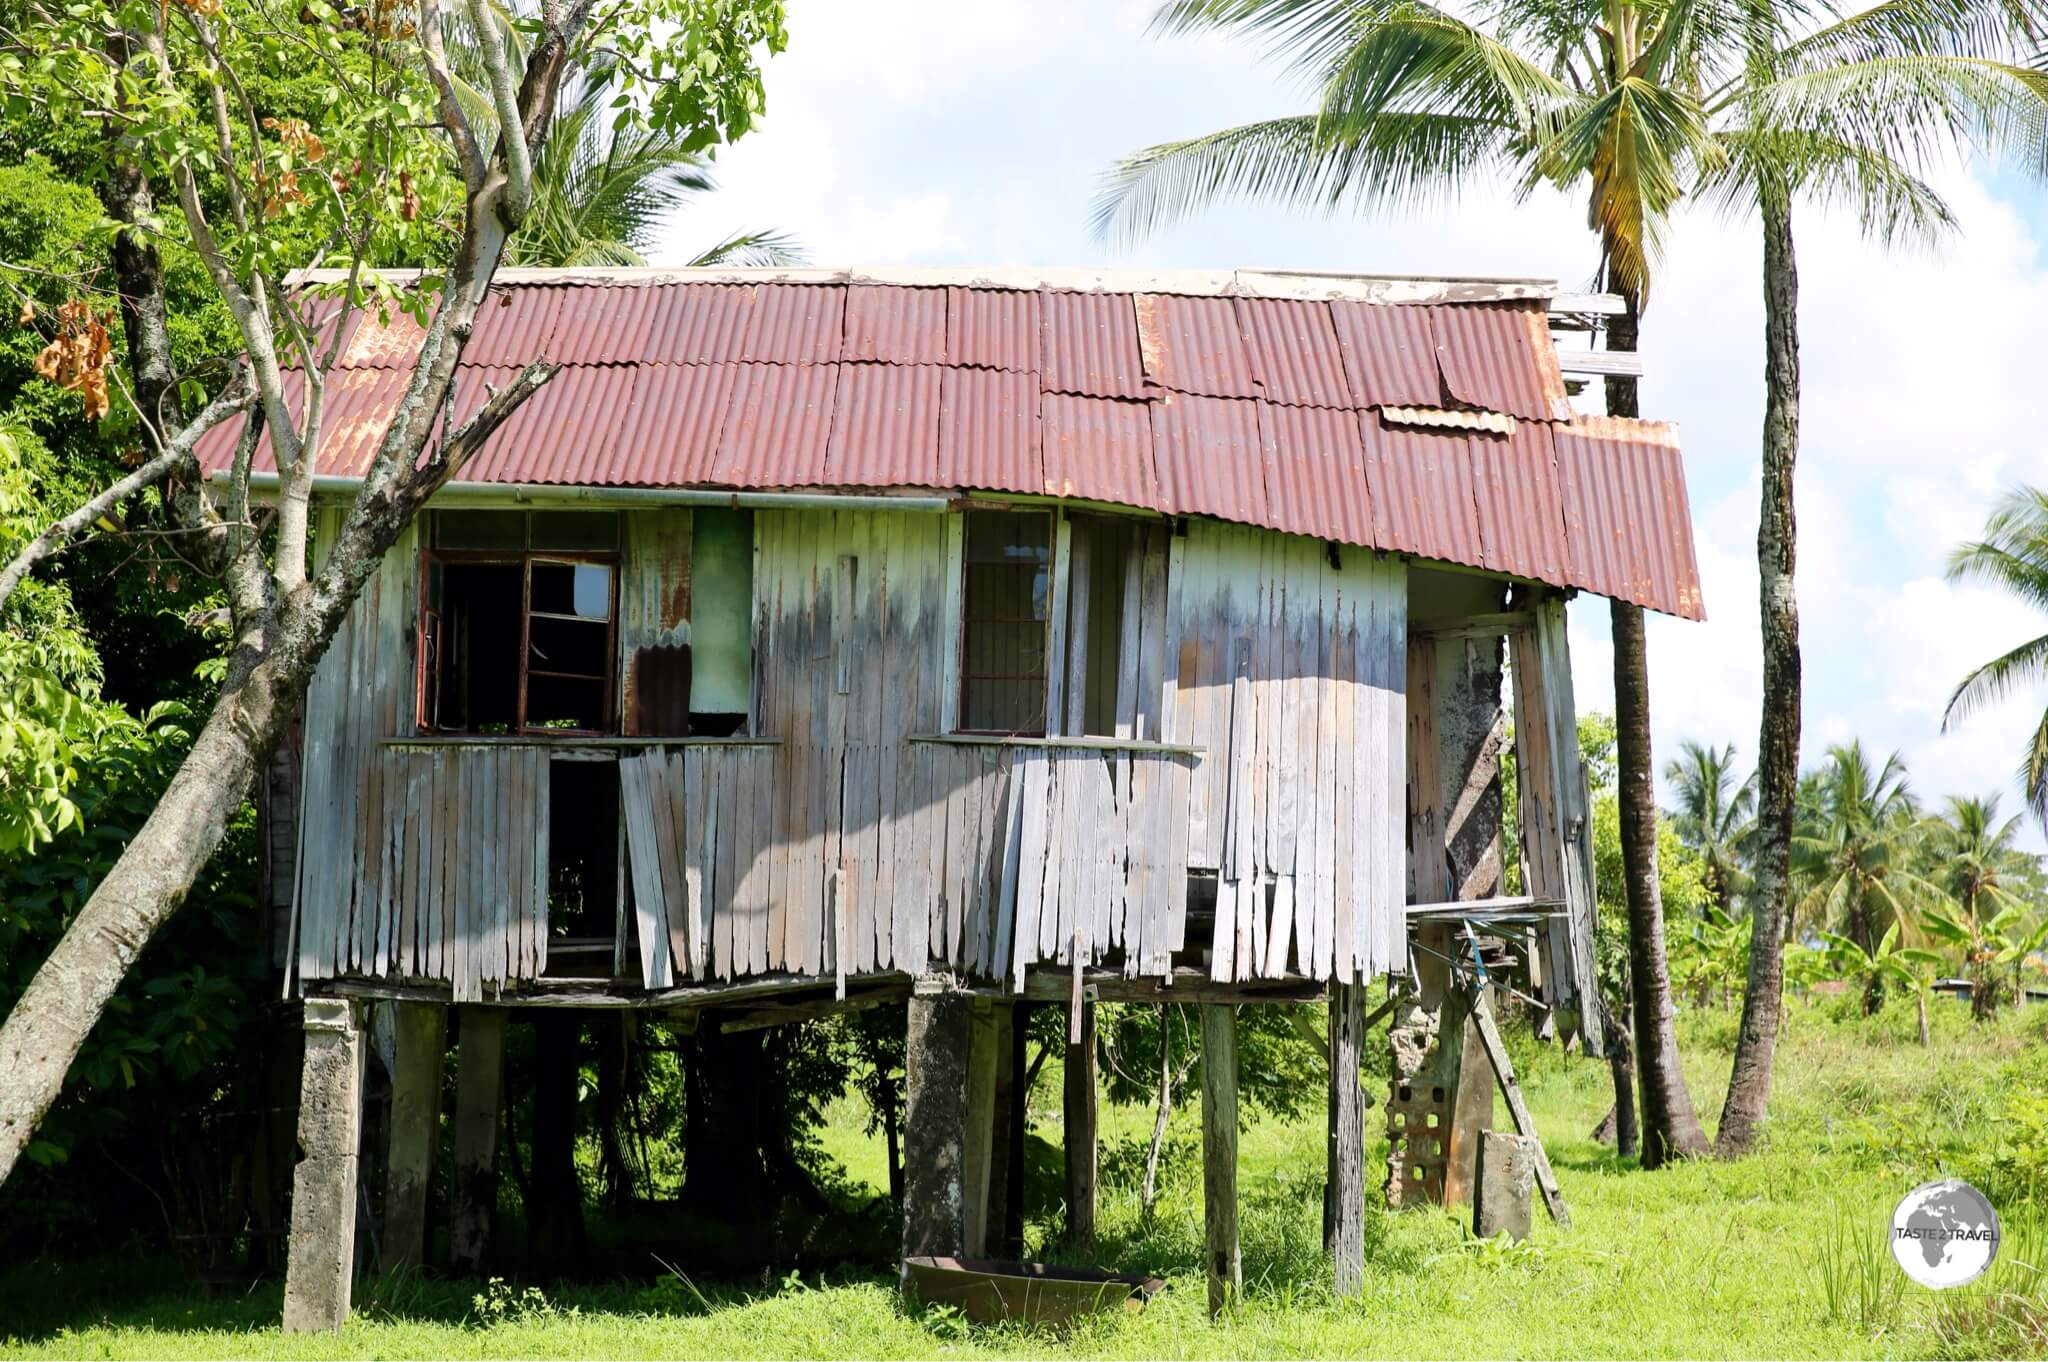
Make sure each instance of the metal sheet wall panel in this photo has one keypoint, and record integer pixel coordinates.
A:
(1099, 449)
(1628, 525)
(993, 329)
(1521, 519)
(516, 326)
(1208, 458)
(1292, 344)
(776, 430)
(795, 324)
(988, 431)
(895, 325)
(1091, 345)
(1489, 356)
(1315, 472)
(668, 436)
(1191, 345)
(885, 429)
(1389, 354)
(1421, 489)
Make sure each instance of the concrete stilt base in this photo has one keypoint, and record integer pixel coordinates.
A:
(415, 1131)
(320, 1268)
(1504, 1190)
(935, 1070)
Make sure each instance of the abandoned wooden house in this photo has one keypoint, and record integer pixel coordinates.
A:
(955, 640)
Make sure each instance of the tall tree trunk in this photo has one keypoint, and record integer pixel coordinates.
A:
(1621, 1067)
(1777, 772)
(1670, 1127)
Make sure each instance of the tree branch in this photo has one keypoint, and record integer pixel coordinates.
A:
(511, 126)
(433, 44)
(236, 397)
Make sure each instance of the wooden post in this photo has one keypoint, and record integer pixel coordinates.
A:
(1219, 1153)
(320, 1267)
(1079, 1135)
(935, 1067)
(479, 1096)
(996, 1223)
(984, 1043)
(1346, 1231)
(415, 1131)
(1017, 1117)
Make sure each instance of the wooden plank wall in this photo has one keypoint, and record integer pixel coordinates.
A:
(1292, 675)
(654, 597)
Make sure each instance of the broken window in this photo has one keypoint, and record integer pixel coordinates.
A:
(1006, 594)
(583, 864)
(516, 625)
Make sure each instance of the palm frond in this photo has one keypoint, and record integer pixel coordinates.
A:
(1997, 679)
(753, 248)
(1891, 203)
(1417, 59)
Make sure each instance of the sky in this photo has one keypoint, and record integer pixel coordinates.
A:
(936, 132)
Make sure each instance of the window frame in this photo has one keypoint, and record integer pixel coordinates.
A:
(962, 676)
(428, 640)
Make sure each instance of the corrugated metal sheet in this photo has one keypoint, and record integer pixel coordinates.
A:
(993, 329)
(1292, 345)
(1099, 449)
(776, 431)
(1628, 526)
(1208, 458)
(896, 325)
(1521, 521)
(885, 427)
(1191, 345)
(1090, 345)
(795, 324)
(1043, 391)
(1315, 471)
(668, 436)
(1389, 354)
(1421, 488)
(988, 431)
(1488, 354)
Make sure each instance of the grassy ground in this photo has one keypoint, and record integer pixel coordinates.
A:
(1782, 1254)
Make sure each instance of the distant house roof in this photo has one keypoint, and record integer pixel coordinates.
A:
(1425, 417)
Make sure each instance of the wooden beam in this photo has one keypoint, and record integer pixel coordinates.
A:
(1504, 1071)
(1601, 363)
(1081, 741)
(1346, 1231)
(1598, 304)
(1472, 626)
(1078, 1134)
(1224, 1258)
(786, 1013)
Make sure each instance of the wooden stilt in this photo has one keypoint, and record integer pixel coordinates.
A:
(935, 1067)
(1079, 1135)
(997, 1220)
(479, 1099)
(1345, 1234)
(1219, 1154)
(320, 1267)
(984, 1043)
(415, 1131)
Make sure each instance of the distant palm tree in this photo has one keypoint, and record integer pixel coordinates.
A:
(1714, 814)
(1853, 851)
(1974, 857)
(2012, 555)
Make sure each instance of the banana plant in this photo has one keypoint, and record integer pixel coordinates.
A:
(1889, 964)
(1713, 956)
(1992, 950)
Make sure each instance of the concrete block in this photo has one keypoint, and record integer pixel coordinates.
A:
(1504, 1185)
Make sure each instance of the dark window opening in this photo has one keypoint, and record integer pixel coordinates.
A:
(718, 725)
(583, 865)
(516, 635)
(1103, 553)
(1005, 611)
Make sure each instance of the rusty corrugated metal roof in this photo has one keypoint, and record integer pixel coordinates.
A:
(1423, 427)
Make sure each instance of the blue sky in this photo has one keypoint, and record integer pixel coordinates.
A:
(935, 132)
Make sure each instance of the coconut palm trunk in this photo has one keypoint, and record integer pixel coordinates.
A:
(1670, 1128)
(1777, 774)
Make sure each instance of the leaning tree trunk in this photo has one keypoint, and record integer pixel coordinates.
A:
(1777, 771)
(1670, 1128)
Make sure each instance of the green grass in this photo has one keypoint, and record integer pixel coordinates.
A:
(1781, 1254)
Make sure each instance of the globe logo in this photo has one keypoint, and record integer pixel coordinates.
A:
(1944, 1233)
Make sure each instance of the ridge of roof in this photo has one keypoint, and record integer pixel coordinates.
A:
(1273, 282)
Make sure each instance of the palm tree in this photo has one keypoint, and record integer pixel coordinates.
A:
(1416, 101)
(1973, 857)
(1714, 814)
(2012, 555)
(1853, 853)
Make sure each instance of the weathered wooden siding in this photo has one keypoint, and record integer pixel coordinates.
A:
(1292, 673)
(654, 621)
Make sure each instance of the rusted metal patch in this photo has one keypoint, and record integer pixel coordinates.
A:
(658, 691)
(1421, 488)
(1209, 459)
(885, 431)
(1099, 449)
(1315, 472)
(668, 435)
(516, 326)
(988, 431)
(1521, 519)
(1191, 345)
(1488, 354)
(1293, 351)
(1627, 522)
(1091, 345)
(1449, 418)
(1389, 354)
(795, 324)
(776, 430)
(993, 329)
(895, 325)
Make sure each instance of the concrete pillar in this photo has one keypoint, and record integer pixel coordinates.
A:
(1346, 1229)
(1504, 1195)
(320, 1266)
(935, 1066)
(415, 1131)
(479, 1104)
(1219, 1154)
(985, 1043)
(1079, 1135)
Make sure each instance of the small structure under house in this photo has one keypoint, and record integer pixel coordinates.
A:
(959, 641)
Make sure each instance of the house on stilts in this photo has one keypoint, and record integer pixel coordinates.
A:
(952, 640)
